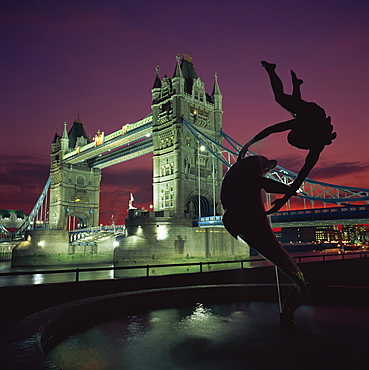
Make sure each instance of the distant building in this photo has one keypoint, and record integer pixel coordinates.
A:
(353, 234)
(297, 234)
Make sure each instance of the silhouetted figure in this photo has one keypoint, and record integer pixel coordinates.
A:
(310, 129)
(245, 217)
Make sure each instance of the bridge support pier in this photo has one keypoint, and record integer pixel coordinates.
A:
(39, 247)
(155, 237)
(52, 248)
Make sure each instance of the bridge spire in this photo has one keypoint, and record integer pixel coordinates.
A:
(187, 57)
(65, 134)
(78, 119)
(216, 89)
(64, 141)
(178, 70)
(157, 82)
(155, 91)
(217, 98)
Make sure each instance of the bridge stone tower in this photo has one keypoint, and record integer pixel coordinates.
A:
(74, 189)
(186, 177)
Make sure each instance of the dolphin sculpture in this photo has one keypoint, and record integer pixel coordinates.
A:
(245, 217)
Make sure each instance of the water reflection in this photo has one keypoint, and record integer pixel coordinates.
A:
(37, 279)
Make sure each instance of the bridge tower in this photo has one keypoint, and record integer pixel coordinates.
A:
(74, 189)
(186, 178)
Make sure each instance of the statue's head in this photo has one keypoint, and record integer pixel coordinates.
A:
(257, 164)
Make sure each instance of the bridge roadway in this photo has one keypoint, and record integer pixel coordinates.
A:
(349, 215)
(131, 141)
(98, 233)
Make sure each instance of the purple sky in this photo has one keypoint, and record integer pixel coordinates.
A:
(97, 59)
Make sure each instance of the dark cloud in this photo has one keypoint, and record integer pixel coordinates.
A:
(22, 181)
(328, 171)
(20, 170)
(325, 170)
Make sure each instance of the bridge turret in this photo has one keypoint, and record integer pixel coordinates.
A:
(178, 80)
(157, 86)
(55, 144)
(217, 98)
(74, 188)
(77, 135)
(178, 69)
(64, 141)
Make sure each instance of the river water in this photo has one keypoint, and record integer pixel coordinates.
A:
(40, 278)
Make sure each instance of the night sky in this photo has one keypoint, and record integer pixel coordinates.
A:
(98, 58)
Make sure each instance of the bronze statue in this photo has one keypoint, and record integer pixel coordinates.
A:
(245, 218)
(310, 129)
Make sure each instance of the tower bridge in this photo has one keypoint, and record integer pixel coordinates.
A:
(185, 133)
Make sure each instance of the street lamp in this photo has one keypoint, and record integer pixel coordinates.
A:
(200, 148)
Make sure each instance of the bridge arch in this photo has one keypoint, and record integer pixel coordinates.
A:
(205, 208)
(77, 220)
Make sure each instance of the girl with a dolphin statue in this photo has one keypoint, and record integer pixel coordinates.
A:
(245, 216)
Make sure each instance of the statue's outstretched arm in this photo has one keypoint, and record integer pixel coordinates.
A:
(272, 186)
(278, 127)
(310, 161)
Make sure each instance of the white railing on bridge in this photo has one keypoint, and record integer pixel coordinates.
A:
(90, 232)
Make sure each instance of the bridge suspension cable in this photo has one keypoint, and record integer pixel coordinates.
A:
(310, 189)
(5, 233)
(38, 206)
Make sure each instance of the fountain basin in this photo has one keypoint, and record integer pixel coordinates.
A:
(32, 338)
